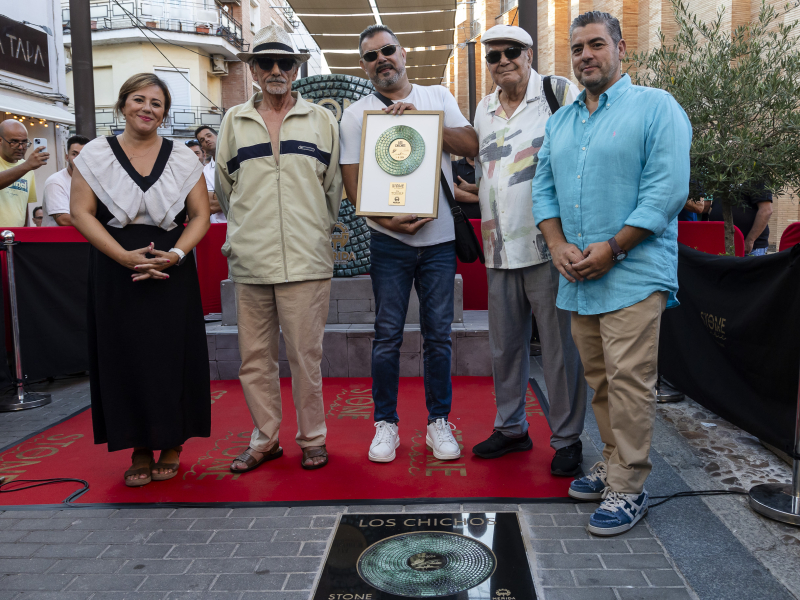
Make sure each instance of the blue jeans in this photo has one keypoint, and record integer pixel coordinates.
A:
(432, 269)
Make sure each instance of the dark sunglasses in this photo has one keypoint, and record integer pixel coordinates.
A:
(284, 64)
(511, 53)
(387, 50)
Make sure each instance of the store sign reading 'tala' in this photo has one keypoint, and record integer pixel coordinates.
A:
(23, 50)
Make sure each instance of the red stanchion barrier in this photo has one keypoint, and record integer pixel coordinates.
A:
(476, 286)
(212, 267)
(790, 237)
(709, 236)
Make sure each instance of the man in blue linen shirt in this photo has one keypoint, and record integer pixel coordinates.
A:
(612, 175)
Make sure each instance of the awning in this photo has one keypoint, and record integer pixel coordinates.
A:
(35, 109)
(417, 24)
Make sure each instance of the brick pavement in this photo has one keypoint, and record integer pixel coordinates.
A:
(275, 553)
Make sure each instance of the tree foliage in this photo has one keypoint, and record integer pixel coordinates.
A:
(741, 91)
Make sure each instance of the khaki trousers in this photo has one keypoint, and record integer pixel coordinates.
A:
(619, 351)
(300, 309)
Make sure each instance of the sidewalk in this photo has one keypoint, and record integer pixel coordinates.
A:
(691, 548)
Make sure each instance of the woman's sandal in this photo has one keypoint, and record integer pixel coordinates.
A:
(314, 452)
(139, 482)
(162, 465)
(251, 462)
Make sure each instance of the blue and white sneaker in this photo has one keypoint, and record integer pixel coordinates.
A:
(591, 486)
(618, 513)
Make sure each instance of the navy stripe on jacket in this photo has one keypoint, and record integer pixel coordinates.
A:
(287, 147)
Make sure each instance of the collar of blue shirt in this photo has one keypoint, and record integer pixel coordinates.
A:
(611, 94)
(532, 93)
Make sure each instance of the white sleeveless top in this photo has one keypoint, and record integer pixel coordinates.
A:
(154, 199)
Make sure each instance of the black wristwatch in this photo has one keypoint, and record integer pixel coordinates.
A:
(617, 253)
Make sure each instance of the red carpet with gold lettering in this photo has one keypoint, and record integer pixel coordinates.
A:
(67, 450)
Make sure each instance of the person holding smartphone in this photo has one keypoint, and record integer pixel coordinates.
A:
(17, 183)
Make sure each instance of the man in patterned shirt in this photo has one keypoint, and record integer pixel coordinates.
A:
(510, 125)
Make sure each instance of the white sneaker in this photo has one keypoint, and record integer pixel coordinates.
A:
(440, 439)
(385, 442)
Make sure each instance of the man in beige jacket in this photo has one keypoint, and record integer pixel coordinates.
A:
(279, 184)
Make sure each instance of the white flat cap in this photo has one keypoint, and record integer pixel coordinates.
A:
(507, 33)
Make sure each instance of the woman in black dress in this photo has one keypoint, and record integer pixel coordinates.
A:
(149, 372)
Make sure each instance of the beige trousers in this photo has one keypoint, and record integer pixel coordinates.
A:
(300, 309)
(619, 351)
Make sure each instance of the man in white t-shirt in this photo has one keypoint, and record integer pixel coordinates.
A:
(55, 204)
(208, 140)
(407, 251)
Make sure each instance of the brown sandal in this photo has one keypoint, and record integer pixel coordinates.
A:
(162, 465)
(139, 470)
(252, 462)
(313, 452)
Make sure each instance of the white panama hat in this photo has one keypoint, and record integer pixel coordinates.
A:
(274, 41)
(507, 33)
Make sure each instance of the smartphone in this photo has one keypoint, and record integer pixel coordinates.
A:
(38, 142)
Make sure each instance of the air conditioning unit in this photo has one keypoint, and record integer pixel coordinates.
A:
(218, 64)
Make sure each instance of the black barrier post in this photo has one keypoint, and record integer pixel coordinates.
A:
(21, 399)
(781, 501)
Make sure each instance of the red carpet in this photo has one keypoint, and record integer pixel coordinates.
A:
(66, 450)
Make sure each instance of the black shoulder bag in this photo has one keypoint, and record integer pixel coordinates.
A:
(550, 95)
(468, 249)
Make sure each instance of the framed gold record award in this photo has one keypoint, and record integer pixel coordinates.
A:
(401, 162)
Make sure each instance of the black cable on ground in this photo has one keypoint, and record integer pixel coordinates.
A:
(694, 493)
(40, 482)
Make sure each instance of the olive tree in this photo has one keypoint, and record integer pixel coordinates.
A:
(741, 91)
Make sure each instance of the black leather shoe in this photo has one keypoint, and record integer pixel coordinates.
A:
(499, 444)
(567, 461)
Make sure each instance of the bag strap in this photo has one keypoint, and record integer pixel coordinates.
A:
(448, 193)
(550, 95)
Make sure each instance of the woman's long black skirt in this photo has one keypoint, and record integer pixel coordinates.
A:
(149, 372)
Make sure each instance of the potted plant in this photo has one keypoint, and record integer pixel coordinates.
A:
(741, 92)
(202, 28)
(151, 24)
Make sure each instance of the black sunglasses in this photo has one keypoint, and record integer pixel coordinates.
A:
(511, 53)
(284, 64)
(387, 50)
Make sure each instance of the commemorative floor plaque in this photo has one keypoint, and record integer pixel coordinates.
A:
(452, 556)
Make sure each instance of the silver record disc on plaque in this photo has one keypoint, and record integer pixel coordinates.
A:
(426, 564)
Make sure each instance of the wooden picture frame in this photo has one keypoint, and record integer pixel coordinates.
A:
(421, 189)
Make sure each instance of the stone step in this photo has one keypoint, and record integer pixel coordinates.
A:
(352, 302)
(347, 349)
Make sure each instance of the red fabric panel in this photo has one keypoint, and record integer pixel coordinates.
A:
(67, 449)
(790, 237)
(709, 236)
(45, 234)
(212, 267)
(476, 287)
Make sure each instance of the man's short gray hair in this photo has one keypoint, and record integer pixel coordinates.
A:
(604, 18)
(375, 30)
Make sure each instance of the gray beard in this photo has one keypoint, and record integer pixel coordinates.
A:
(384, 83)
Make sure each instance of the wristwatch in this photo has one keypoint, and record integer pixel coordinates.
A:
(181, 255)
(617, 253)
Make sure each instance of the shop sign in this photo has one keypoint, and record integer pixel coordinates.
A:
(23, 50)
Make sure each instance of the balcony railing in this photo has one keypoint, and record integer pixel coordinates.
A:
(202, 17)
(475, 29)
(507, 5)
(182, 120)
